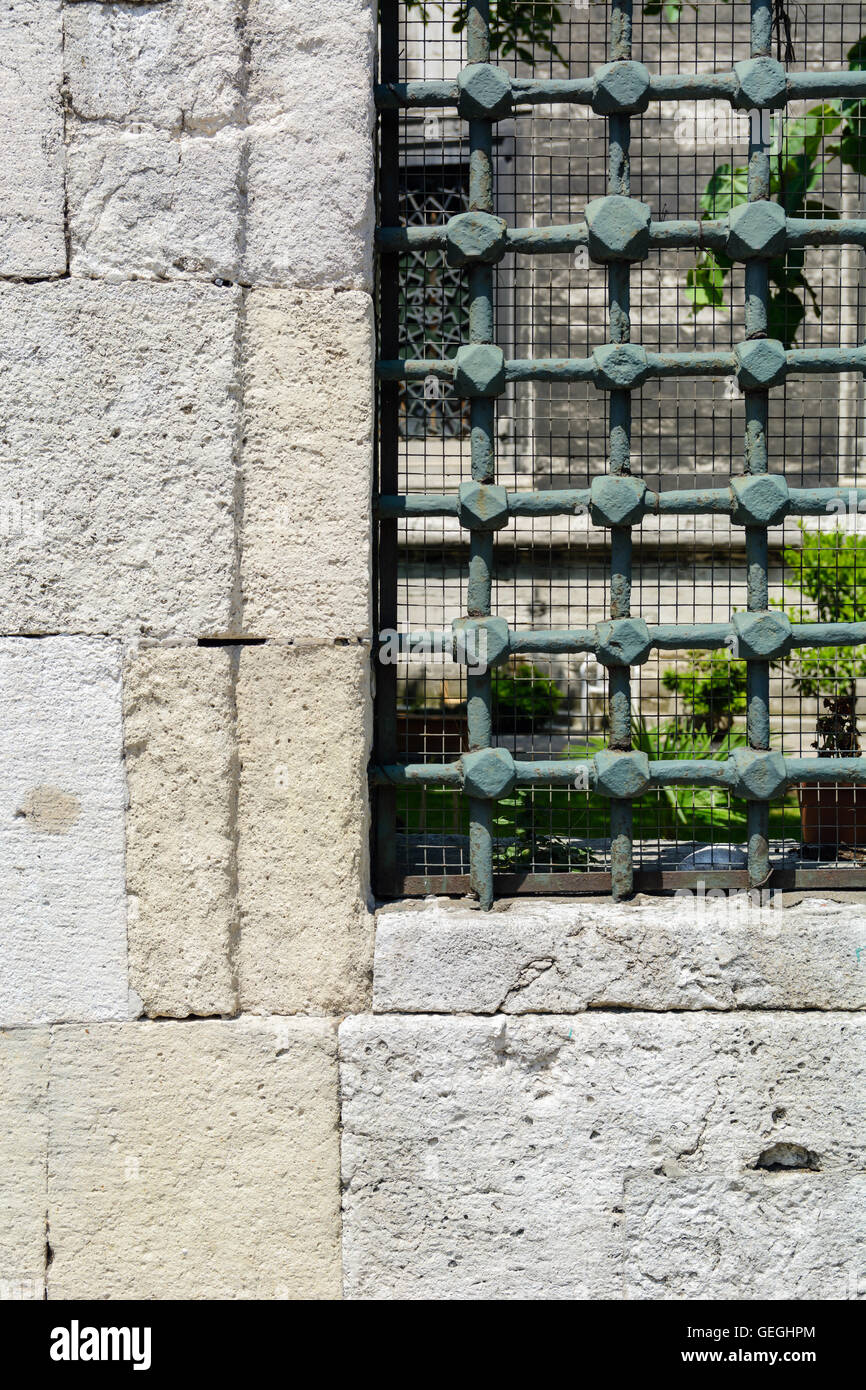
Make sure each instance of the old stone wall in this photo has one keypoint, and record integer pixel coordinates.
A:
(210, 1086)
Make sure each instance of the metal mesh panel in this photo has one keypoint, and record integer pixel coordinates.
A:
(688, 162)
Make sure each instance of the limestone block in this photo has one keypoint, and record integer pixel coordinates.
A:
(32, 237)
(769, 1235)
(23, 1159)
(62, 909)
(308, 400)
(303, 734)
(175, 65)
(120, 424)
(178, 733)
(493, 1157)
(310, 179)
(155, 205)
(683, 953)
(195, 1160)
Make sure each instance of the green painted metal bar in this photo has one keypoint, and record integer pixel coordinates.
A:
(819, 501)
(671, 234)
(766, 777)
(483, 464)
(619, 465)
(582, 91)
(638, 364)
(756, 451)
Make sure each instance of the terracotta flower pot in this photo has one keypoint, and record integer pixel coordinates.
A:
(832, 815)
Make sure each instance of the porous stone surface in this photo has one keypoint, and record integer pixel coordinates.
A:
(493, 1157)
(62, 797)
(32, 236)
(180, 756)
(120, 426)
(307, 464)
(155, 205)
(747, 1236)
(232, 139)
(194, 1160)
(176, 65)
(23, 1159)
(310, 177)
(681, 953)
(303, 734)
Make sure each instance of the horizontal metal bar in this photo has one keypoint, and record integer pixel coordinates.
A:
(666, 637)
(583, 774)
(673, 234)
(579, 91)
(653, 365)
(721, 501)
(595, 881)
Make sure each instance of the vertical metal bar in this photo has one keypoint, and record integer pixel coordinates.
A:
(387, 481)
(483, 465)
(757, 415)
(619, 302)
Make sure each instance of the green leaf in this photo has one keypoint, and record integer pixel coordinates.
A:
(725, 190)
(705, 284)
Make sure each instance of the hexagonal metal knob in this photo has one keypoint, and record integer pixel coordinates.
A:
(475, 237)
(482, 506)
(618, 228)
(761, 363)
(621, 775)
(762, 636)
(760, 499)
(760, 776)
(488, 774)
(756, 230)
(622, 87)
(484, 92)
(617, 500)
(620, 367)
(479, 370)
(762, 83)
(480, 642)
(623, 642)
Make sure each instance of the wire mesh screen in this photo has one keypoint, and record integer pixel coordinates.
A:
(688, 161)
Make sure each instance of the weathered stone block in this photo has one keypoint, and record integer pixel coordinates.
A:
(155, 205)
(772, 1236)
(121, 421)
(489, 1157)
(303, 720)
(310, 181)
(177, 66)
(195, 1160)
(23, 1160)
(62, 800)
(178, 732)
(32, 238)
(307, 463)
(695, 951)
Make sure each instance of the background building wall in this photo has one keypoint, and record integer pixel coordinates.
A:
(193, 1041)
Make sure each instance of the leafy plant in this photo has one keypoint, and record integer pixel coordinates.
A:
(794, 176)
(523, 696)
(713, 691)
(830, 570)
(517, 27)
(514, 822)
(673, 740)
